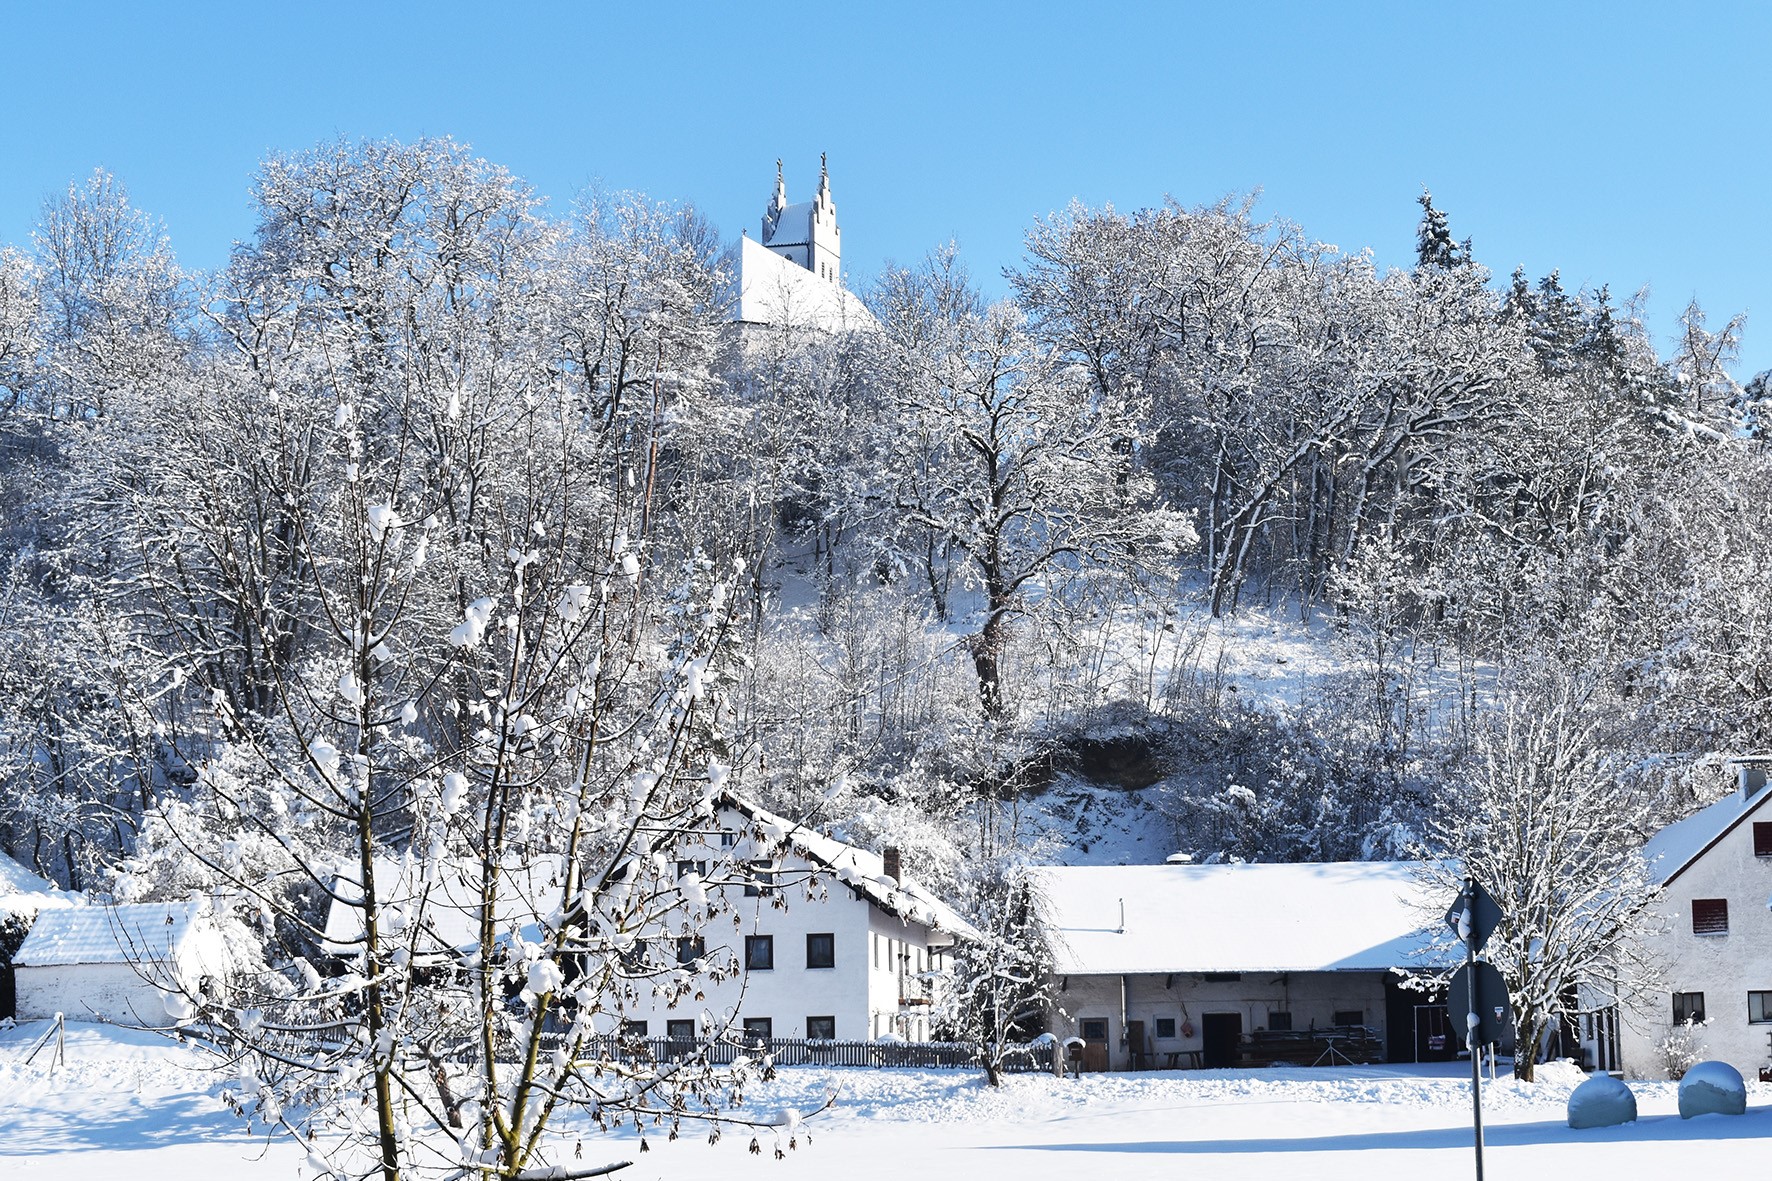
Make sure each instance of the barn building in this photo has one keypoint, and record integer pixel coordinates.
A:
(1240, 965)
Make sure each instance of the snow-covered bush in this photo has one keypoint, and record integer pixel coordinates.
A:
(1680, 1048)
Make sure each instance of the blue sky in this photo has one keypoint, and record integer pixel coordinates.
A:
(1625, 143)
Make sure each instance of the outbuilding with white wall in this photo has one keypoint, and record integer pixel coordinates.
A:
(127, 965)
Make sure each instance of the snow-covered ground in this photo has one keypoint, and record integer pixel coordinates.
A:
(131, 1106)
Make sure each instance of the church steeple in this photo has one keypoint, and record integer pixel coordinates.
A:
(805, 234)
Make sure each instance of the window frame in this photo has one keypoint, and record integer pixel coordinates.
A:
(756, 948)
(1710, 916)
(829, 949)
(830, 1023)
(758, 1029)
(1358, 1015)
(691, 948)
(1763, 838)
(1279, 1020)
(1157, 1026)
(1765, 1003)
(1083, 1024)
(1694, 1012)
(674, 1031)
(634, 1028)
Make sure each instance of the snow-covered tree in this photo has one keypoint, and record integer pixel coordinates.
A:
(1001, 990)
(1548, 820)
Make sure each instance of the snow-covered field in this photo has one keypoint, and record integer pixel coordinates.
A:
(130, 1106)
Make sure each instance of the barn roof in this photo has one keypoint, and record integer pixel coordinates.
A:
(137, 933)
(1315, 917)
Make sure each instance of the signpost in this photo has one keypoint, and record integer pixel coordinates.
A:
(1473, 918)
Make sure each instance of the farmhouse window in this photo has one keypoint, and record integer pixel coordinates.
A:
(1095, 1029)
(1221, 977)
(633, 1029)
(1762, 838)
(759, 954)
(1688, 1007)
(758, 1029)
(1279, 1019)
(690, 948)
(1350, 1016)
(762, 880)
(1759, 1008)
(821, 951)
(1165, 1027)
(821, 1029)
(680, 1031)
(1710, 916)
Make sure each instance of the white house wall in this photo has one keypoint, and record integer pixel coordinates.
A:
(1313, 998)
(1725, 968)
(863, 999)
(89, 992)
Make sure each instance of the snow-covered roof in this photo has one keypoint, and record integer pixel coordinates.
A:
(1681, 843)
(775, 290)
(793, 227)
(447, 902)
(140, 932)
(23, 892)
(1319, 917)
(862, 871)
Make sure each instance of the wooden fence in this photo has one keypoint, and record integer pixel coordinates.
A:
(817, 1052)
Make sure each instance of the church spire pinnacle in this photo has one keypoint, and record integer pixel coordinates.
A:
(780, 201)
(824, 177)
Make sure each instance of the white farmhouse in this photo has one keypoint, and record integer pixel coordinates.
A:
(127, 965)
(858, 960)
(1711, 933)
(1226, 965)
(835, 941)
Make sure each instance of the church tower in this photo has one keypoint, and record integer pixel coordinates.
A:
(805, 234)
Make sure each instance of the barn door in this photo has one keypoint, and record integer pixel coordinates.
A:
(1219, 1035)
(1094, 1031)
(1135, 1046)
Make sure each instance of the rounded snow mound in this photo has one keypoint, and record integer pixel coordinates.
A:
(1601, 1102)
(1712, 1088)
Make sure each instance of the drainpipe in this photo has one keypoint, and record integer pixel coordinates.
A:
(1123, 1043)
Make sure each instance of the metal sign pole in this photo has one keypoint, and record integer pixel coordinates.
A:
(1471, 1021)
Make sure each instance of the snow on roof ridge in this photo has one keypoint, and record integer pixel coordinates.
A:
(867, 872)
(1678, 845)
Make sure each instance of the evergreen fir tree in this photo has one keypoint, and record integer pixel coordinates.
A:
(1434, 245)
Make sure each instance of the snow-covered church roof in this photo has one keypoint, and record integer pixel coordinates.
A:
(776, 291)
(1319, 917)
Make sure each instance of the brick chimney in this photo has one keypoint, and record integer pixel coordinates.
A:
(892, 867)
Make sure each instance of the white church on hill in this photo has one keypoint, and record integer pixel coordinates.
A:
(791, 276)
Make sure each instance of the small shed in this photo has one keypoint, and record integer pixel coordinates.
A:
(118, 964)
